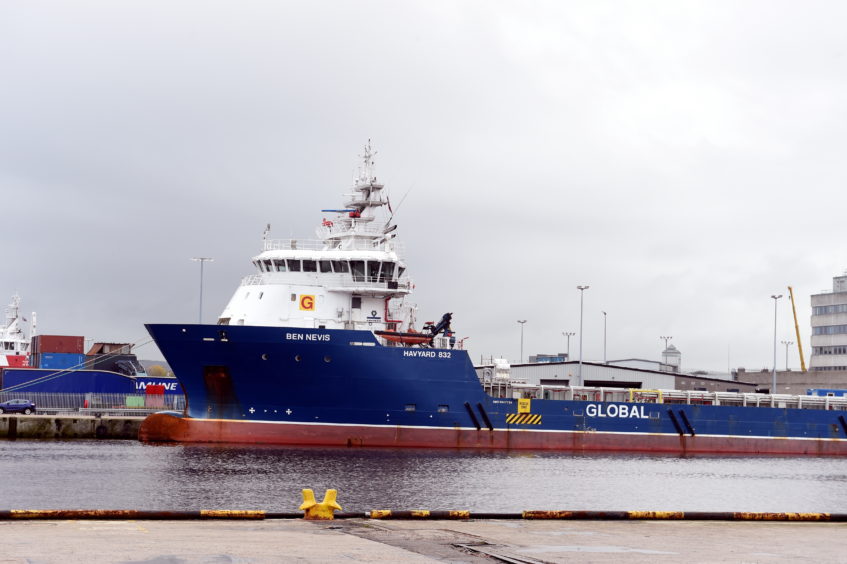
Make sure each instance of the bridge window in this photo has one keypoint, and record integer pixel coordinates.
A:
(293, 265)
(340, 266)
(279, 265)
(310, 266)
(387, 271)
(326, 266)
(358, 268)
(373, 270)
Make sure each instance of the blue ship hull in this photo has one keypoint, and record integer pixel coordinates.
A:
(336, 387)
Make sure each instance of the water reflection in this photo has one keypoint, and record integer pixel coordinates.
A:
(129, 475)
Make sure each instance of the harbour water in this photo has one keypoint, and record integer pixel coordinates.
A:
(92, 474)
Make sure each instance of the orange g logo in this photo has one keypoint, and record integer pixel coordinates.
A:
(307, 303)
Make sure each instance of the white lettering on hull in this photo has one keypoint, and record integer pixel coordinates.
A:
(621, 410)
(307, 337)
(428, 354)
(167, 385)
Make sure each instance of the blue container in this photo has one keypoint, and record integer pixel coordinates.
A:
(59, 361)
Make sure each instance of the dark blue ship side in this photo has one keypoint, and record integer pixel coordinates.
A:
(337, 387)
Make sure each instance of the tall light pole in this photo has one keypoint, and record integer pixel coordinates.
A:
(582, 290)
(568, 335)
(775, 301)
(201, 260)
(787, 344)
(522, 321)
(604, 338)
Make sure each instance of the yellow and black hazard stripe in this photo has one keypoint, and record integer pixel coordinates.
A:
(523, 419)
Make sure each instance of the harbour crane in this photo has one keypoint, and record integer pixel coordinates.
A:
(797, 329)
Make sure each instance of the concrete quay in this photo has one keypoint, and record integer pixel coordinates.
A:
(367, 540)
(75, 426)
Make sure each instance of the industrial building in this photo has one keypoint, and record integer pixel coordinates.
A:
(610, 375)
(829, 328)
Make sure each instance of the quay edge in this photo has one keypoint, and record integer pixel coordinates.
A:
(69, 427)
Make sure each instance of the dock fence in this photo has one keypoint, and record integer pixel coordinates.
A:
(106, 404)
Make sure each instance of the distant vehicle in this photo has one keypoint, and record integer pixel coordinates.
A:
(17, 406)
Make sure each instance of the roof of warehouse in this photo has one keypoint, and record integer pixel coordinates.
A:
(616, 367)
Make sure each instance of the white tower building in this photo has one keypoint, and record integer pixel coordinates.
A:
(829, 328)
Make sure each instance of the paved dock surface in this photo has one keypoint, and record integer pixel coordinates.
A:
(475, 541)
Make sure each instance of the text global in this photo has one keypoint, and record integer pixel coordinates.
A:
(615, 410)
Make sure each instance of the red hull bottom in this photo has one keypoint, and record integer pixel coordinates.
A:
(163, 427)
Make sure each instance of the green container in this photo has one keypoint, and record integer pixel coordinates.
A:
(135, 401)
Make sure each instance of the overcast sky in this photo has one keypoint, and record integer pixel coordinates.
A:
(683, 159)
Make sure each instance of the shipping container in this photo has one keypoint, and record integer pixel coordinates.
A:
(58, 344)
(63, 381)
(61, 360)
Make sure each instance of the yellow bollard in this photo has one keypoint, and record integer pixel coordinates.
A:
(322, 511)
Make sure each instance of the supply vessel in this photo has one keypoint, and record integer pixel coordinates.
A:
(320, 346)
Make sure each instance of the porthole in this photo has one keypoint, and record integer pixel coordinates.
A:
(264, 356)
(297, 358)
(327, 358)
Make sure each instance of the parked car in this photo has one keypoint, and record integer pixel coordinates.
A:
(17, 406)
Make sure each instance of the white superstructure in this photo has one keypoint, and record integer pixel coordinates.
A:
(352, 277)
(14, 344)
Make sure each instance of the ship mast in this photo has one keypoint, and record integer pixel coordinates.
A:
(356, 226)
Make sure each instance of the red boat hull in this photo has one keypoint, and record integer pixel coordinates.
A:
(163, 427)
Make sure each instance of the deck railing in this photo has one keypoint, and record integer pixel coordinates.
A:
(331, 280)
(509, 389)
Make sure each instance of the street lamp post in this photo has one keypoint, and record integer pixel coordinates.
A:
(604, 338)
(787, 344)
(775, 301)
(201, 260)
(522, 321)
(582, 290)
(568, 335)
